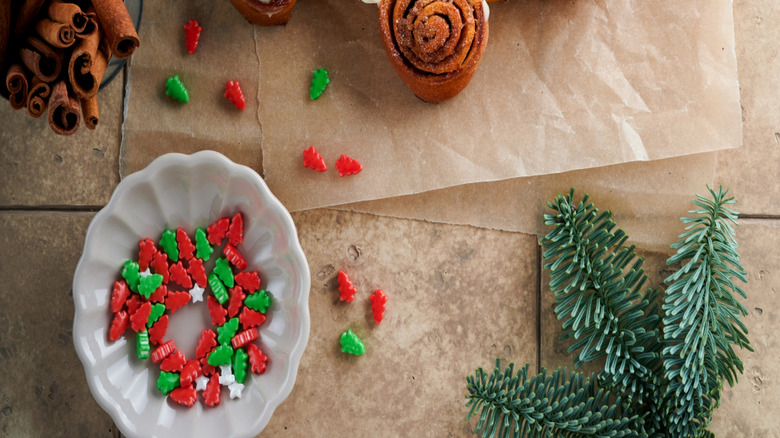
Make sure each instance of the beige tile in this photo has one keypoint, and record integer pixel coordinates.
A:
(753, 171)
(38, 167)
(44, 389)
(751, 407)
(459, 297)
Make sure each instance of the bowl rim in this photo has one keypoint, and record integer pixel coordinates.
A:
(220, 161)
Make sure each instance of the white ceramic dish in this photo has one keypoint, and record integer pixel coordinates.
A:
(189, 191)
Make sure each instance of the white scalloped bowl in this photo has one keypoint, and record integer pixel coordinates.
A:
(189, 191)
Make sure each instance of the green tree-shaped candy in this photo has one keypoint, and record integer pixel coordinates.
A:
(203, 249)
(157, 311)
(175, 88)
(167, 382)
(226, 331)
(239, 365)
(221, 355)
(147, 285)
(169, 245)
(318, 83)
(142, 345)
(351, 343)
(131, 274)
(217, 288)
(258, 301)
(222, 269)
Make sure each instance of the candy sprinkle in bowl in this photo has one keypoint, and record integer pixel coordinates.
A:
(190, 191)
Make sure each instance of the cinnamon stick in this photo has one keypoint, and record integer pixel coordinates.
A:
(68, 13)
(38, 98)
(25, 16)
(59, 35)
(118, 27)
(91, 26)
(41, 59)
(64, 110)
(89, 109)
(87, 66)
(18, 85)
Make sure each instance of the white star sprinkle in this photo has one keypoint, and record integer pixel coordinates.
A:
(226, 376)
(146, 273)
(236, 389)
(201, 382)
(197, 293)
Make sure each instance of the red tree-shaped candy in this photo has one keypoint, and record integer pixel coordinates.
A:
(177, 300)
(174, 362)
(235, 95)
(216, 311)
(146, 253)
(185, 396)
(250, 318)
(312, 159)
(160, 265)
(159, 294)
(139, 318)
(183, 241)
(217, 231)
(348, 165)
(133, 303)
(346, 290)
(211, 393)
(206, 343)
(190, 372)
(235, 232)
(192, 32)
(378, 300)
(180, 276)
(257, 359)
(158, 329)
(236, 301)
(119, 324)
(198, 272)
(119, 295)
(249, 281)
(208, 370)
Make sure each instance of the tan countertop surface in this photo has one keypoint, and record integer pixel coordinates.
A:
(459, 296)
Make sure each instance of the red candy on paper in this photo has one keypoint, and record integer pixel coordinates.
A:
(235, 232)
(198, 272)
(160, 265)
(190, 372)
(250, 318)
(348, 165)
(216, 311)
(119, 295)
(244, 338)
(177, 300)
(139, 318)
(192, 32)
(211, 393)
(159, 294)
(185, 396)
(234, 257)
(206, 343)
(236, 301)
(313, 160)
(163, 351)
(146, 253)
(257, 359)
(346, 290)
(180, 276)
(378, 300)
(174, 362)
(249, 281)
(119, 324)
(235, 95)
(158, 329)
(217, 230)
(186, 248)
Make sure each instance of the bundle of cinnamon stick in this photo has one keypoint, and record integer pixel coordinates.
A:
(53, 54)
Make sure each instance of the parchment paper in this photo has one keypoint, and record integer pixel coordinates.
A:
(646, 199)
(563, 85)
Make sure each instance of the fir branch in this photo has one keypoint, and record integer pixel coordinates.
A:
(602, 306)
(701, 315)
(561, 405)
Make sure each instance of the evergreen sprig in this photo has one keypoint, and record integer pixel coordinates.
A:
(701, 315)
(597, 283)
(560, 405)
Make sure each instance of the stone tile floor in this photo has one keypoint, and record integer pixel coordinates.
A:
(461, 296)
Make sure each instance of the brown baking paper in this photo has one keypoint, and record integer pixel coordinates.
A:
(564, 85)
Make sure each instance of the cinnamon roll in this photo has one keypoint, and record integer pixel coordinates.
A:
(265, 12)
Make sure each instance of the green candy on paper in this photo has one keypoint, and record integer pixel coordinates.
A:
(147, 285)
(157, 311)
(169, 245)
(318, 83)
(167, 382)
(351, 343)
(202, 247)
(131, 273)
(258, 301)
(222, 269)
(217, 288)
(239, 365)
(142, 345)
(175, 89)
(221, 355)
(226, 331)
